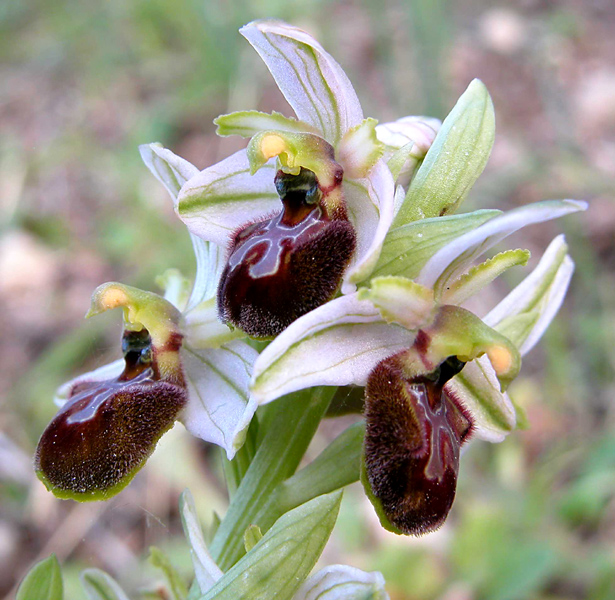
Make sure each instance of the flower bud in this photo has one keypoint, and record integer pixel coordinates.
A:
(413, 436)
(283, 267)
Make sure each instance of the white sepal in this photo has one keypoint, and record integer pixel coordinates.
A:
(478, 389)
(338, 343)
(171, 170)
(203, 329)
(539, 296)
(210, 262)
(219, 403)
(341, 582)
(454, 258)
(370, 202)
(312, 82)
(223, 197)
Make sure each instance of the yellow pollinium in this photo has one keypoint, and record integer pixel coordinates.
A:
(272, 145)
(112, 297)
(501, 359)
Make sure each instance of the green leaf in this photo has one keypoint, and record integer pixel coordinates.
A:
(174, 582)
(281, 561)
(482, 275)
(250, 122)
(43, 581)
(407, 249)
(252, 536)
(455, 160)
(100, 586)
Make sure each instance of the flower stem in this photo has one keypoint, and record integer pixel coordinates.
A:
(234, 470)
(337, 466)
(291, 427)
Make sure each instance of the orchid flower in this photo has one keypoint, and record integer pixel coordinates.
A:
(179, 362)
(329, 139)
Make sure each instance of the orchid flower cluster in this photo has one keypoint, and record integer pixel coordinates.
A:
(333, 245)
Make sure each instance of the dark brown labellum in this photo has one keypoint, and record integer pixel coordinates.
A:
(412, 441)
(283, 267)
(106, 430)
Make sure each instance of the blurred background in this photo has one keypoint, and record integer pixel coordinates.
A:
(82, 84)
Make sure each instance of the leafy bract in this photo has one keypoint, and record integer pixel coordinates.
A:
(98, 585)
(283, 558)
(455, 160)
(43, 581)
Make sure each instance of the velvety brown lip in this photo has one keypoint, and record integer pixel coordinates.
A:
(283, 267)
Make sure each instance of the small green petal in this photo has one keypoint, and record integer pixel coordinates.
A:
(400, 300)
(455, 160)
(482, 275)
(360, 149)
(527, 311)
(403, 160)
(248, 123)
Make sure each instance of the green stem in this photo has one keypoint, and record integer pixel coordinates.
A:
(338, 465)
(235, 470)
(293, 423)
